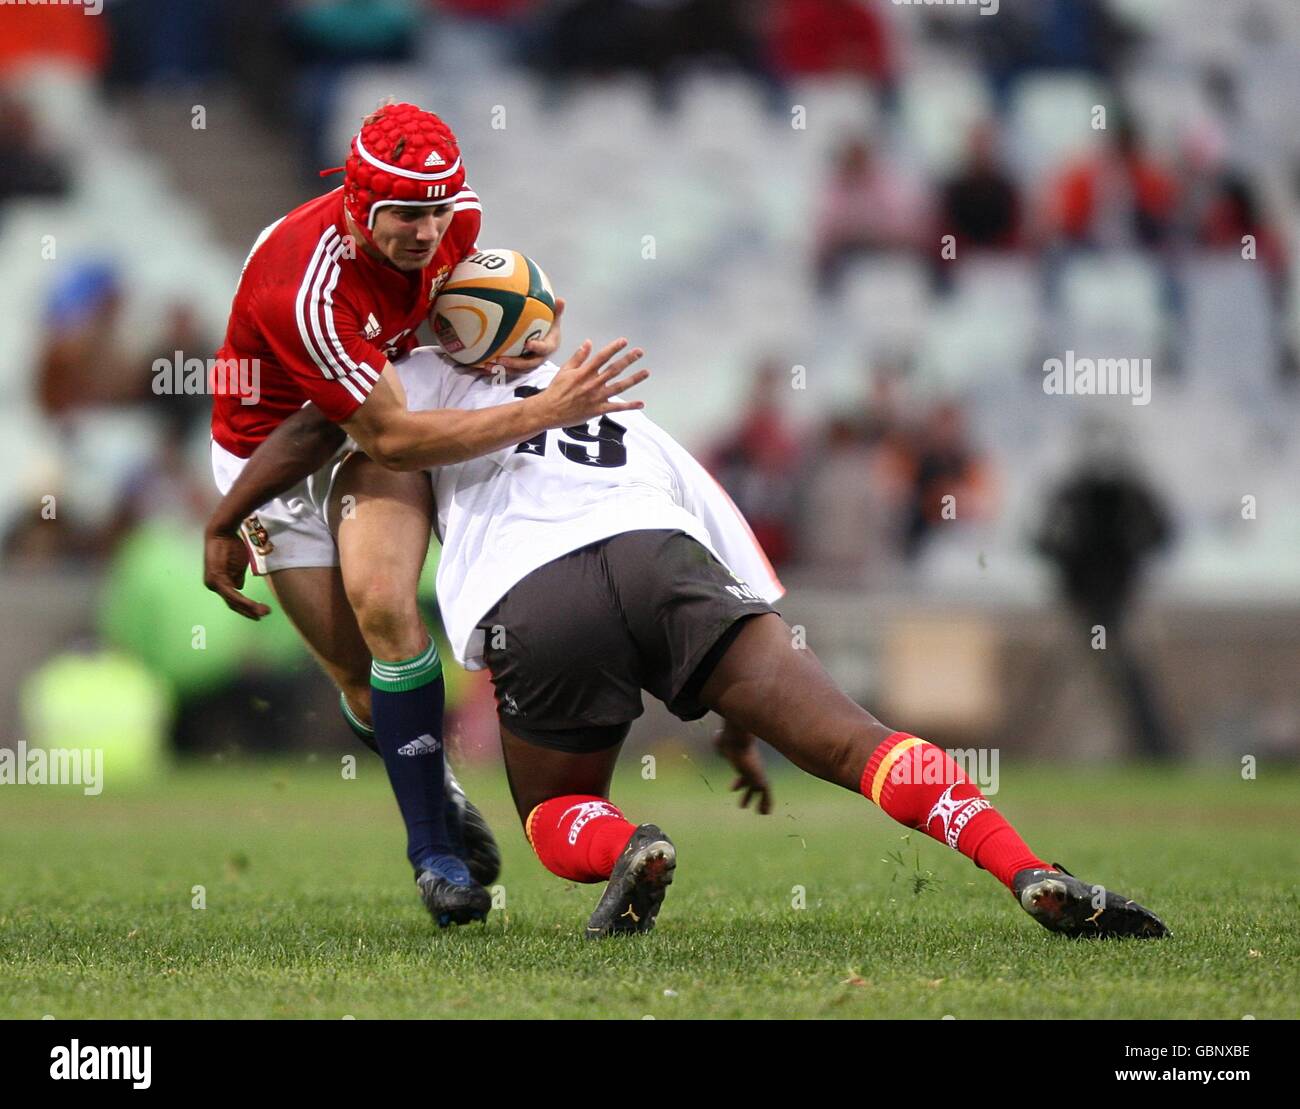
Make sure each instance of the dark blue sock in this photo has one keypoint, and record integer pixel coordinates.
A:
(406, 700)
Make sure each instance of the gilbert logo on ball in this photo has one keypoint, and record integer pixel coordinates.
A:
(493, 303)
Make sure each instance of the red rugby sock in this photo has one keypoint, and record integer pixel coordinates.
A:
(919, 785)
(578, 837)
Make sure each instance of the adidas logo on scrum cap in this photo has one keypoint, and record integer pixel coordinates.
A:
(424, 745)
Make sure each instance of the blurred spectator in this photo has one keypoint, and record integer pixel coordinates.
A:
(892, 441)
(829, 38)
(660, 38)
(350, 31)
(946, 465)
(1221, 207)
(328, 37)
(464, 36)
(981, 203)
(1081, 35)
(44, 33)
(1232, 211)
(870, 205)
(83, 364)
(26, 168)
(257, 60)
(882, 418)
(1229, 211)
(1099, 531)
(36, 540)
(848, 525)
(488, 9)
(163, 42)
(758, 465)
(183, 337)
(1116, 197)
(163, 486)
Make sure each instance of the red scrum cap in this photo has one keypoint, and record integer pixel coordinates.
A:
(402, 155)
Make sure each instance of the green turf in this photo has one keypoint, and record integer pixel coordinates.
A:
(311, 911)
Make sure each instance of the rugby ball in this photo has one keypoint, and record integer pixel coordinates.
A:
(493, 303)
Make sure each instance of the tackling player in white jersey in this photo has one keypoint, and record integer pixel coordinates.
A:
(586, 565)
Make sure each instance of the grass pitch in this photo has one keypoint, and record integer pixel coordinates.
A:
(311, 910)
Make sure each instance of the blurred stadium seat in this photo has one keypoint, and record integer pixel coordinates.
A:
(1111, 305)
(939, 105)
(1051, 120)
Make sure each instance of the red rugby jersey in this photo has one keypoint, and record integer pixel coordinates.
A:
(320, 323)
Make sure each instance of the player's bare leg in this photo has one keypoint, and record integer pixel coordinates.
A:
(562, 798)
(314, 600)
(381, 521)
(768, 686)
(537, 774)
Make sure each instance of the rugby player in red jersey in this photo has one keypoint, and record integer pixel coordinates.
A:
(330, 295)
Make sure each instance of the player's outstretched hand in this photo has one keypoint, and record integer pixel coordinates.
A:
(225, 561)
(539, 350)
(585, 387)
(741, 750)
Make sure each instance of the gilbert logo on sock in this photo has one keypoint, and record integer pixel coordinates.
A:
(587, 812)
(424, 745)
(955, 813)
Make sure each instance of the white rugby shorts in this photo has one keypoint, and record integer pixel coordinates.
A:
(291, 530)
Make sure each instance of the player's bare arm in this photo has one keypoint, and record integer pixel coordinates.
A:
(584, 388)
(740, 748)
(302, 445)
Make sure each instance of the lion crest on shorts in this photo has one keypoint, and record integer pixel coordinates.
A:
(257, 535)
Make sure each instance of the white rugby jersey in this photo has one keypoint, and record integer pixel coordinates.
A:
(503, 515)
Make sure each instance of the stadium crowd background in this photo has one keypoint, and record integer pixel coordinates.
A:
(759, 194)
